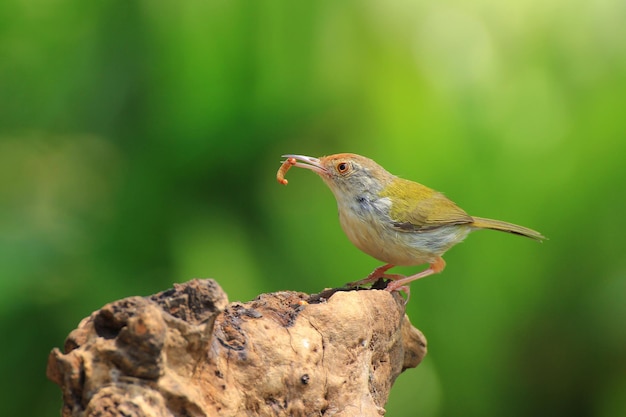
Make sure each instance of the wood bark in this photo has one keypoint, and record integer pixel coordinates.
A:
(187, 351)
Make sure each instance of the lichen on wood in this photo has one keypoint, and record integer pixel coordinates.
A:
(188, 352)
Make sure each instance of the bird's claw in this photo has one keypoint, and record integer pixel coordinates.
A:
(370, 280)
(391, 287)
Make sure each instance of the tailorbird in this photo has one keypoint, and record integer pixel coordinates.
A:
(397, 221)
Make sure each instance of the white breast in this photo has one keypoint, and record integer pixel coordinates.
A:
(382, 241)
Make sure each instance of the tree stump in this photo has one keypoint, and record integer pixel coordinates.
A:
(188, 352)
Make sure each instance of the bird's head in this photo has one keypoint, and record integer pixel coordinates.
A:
(349, 176)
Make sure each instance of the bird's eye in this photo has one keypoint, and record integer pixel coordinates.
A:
(343, 167)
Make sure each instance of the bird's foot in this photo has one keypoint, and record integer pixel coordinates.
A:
(405, 288)
(379, 273)
(375, 275)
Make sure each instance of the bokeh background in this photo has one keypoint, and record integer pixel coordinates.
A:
(139, 143)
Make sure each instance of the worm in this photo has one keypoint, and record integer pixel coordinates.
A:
(280, 175)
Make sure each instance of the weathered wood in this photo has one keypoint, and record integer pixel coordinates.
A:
(188, 352)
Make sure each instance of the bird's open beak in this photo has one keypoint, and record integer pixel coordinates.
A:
(308, 162)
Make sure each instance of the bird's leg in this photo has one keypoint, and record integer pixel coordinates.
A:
(435, 267)
(376, 274)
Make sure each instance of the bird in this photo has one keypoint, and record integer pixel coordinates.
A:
(396, 221)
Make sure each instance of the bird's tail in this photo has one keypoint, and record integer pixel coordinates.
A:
(481, 223)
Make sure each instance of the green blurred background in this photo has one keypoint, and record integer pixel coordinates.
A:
(139, 143)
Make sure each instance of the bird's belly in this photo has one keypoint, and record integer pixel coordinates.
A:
(395, 247)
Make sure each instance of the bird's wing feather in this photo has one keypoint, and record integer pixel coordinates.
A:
(417, 208)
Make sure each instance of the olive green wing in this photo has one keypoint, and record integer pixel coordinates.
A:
(417, 208)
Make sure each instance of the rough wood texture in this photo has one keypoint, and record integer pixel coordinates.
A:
(187, 352)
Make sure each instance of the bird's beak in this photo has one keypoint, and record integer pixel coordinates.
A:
(308, 162)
